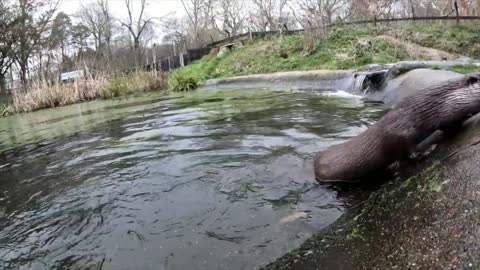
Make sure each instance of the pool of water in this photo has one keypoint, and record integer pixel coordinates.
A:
(209, 180)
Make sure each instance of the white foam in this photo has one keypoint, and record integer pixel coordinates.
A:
(339, 93)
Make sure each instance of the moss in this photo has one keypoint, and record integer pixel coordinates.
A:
(465, 69)
(421, 185)
(355, 233)
(431, 179)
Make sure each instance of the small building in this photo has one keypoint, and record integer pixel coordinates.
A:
(72, 75)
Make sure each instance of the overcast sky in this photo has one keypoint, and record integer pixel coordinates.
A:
(155, 8)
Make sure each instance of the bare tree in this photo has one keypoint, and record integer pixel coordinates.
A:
(469, 7)
(362, 9)
(268, 14)
(175, 32)
(136, 27)
(48, 53)
(80, 35)
(8, 23)
(201, 19)
(97, 19)
(60, 33)
(232, 15)
(318, 12)
(34, 20)
(266, 17)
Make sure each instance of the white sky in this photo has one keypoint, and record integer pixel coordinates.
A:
(155, 8)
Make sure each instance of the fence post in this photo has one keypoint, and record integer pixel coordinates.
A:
(456, 11)
(281, 30)
(154, 64)
(146, 60)
(375, 20)
(413, 9)
(174, 48)
(182, 60)
(250, 30)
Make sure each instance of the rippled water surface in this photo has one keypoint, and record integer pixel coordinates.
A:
(209, 180)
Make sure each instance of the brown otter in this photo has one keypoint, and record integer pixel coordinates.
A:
(399, 131)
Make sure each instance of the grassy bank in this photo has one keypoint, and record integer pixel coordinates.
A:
(458, 39)
(342, 48)
(42, 95)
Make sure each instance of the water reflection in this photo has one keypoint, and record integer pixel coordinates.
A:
(194, 182)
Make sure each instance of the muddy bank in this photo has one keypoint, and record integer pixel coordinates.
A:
(425, 218)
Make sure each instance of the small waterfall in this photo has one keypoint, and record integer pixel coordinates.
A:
(365, 81)
(359, 81)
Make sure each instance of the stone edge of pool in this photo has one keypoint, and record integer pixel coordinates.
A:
(426, 218)
(348, 80)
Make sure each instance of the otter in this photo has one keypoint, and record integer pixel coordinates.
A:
(396, 135)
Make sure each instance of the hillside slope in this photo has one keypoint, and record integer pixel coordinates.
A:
(342, 48)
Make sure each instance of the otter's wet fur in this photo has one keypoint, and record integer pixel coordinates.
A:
(399, 131)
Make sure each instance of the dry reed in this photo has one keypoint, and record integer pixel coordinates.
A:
(41, 95)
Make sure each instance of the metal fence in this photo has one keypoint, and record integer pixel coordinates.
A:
(180, 60)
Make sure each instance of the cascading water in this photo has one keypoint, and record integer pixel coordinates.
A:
(366, 81)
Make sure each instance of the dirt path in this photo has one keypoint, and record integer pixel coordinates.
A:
(420, 52)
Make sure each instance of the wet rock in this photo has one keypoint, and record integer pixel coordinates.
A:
(426, 218)
(223, 51)
(293, 217)
(393, 90)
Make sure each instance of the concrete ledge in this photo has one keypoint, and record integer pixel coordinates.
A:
(317, 79)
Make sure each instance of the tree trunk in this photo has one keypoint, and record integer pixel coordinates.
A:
(412, 8)
(3, 83)
(456, 11)
(23, 71)
(136, 51)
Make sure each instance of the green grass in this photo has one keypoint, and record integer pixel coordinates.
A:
(134, 83)
(183, 82)
(465, 69)
(115, 87)
(458, 39)
(342, 49)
